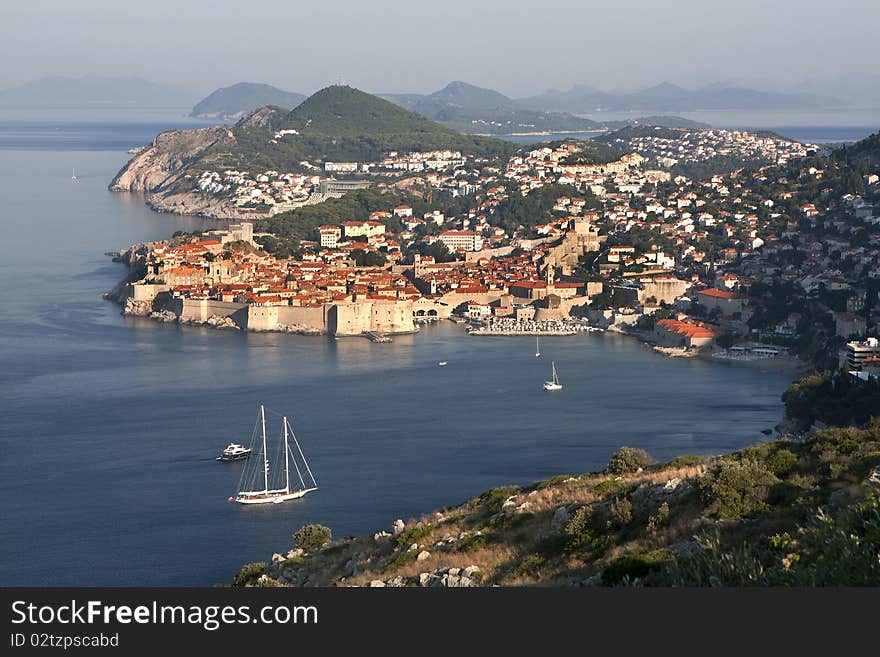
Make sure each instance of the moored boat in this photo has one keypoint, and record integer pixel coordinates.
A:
(234, 452)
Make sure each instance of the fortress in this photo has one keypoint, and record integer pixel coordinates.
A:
(336, 319)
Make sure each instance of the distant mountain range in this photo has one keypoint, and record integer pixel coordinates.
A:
(94, 90)
(460, 105)
(668, 97)
(235, 101)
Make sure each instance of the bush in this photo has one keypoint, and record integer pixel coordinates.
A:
(312, 538)
(687, 460)
(494, 498)
(625, 570)
(782, 462)
(402, 559)
(249, 573)
(529, 567)
(621, 512)
(736, 488)
(629, 459)
(414, 534)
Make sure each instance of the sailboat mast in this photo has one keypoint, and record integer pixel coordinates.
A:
(265, 456)
(286, 466)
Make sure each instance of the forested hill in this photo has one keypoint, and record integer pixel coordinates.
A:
(867, 149)
(366, 126)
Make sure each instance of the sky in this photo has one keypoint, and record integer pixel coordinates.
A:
(519, 48)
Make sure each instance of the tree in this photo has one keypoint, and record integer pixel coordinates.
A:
(628, 459)
(311, 538)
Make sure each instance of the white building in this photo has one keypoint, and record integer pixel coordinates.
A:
(461, 239)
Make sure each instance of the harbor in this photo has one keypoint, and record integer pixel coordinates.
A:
(508, 326)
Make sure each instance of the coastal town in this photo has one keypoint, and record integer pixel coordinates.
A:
(773, 259)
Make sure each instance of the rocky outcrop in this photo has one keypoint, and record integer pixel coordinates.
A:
(161, 164)
(199, 204)
(263, 117)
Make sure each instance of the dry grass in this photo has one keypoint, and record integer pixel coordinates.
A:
(516, 538)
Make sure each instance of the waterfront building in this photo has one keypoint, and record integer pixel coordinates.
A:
(857, 353)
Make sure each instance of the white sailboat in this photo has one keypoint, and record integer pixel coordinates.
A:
(537, 346)
(73, 176)
(271, 492)
(553, 384)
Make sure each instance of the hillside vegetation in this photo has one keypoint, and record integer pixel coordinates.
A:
(781, 513)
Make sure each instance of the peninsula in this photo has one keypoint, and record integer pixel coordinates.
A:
(691, 240)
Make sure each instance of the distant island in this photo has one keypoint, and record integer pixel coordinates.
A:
(95, 91)
(459, 105)
(237, 100)
(668, 97)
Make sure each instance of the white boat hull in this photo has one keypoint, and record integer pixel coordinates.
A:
(271, 497)
(549, 385)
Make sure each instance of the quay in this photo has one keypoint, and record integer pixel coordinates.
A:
(376, 337)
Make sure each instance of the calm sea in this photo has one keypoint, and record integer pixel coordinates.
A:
(109, 426)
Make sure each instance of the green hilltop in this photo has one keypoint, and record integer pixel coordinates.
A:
(338, 123)
(366, 126)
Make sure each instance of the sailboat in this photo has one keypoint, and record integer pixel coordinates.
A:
(553, 384)
(537, 346)
(271, 492)
(74, 177)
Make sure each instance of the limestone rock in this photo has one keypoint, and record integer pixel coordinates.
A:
(376, 583)
(560, 518)
(424, 554)
(397, 527)
(672, 484)
(471, 571)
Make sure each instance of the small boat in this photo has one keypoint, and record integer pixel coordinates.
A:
(234, 452)
(443, 363)
(553, 384)
(537, 346)
(272, 491)
(74, 176)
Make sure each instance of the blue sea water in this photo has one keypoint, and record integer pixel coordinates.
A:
(109, 425)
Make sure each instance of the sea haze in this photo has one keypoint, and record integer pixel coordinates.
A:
(109, 425)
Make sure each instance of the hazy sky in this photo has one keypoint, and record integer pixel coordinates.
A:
(519, 48)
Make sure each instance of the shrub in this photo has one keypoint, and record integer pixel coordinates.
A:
(628, 459)
(607, 487)
(621, 512)
(414, 534)
(782, 462)
(736, 488)
(552, 481)
(493, 499)
(687, 460)
(249, 573)
(472, 543)
(312, 538)
(405, 557)
(625, 570)
(660, 518)
(529, 566)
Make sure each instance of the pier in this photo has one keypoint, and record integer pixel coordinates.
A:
(376, 337)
